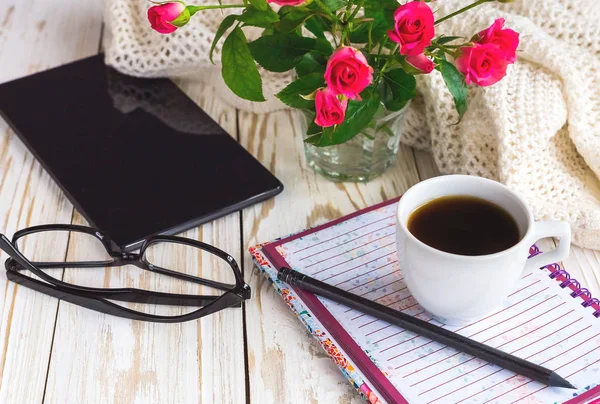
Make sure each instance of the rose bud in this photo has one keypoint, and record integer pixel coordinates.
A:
(421, 62)
(330, 110)
(166, 18)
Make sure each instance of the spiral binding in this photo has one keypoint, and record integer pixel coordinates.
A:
(557, 271)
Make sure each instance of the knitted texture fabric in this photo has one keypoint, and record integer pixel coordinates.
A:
(537, 130)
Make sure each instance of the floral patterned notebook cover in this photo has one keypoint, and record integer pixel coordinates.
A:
(543, 321)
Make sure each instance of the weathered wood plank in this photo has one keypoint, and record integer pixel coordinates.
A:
(130, 361)
(426, 165)
(34, 35)
(286, 365)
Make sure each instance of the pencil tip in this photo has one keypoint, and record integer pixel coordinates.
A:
(556, 381)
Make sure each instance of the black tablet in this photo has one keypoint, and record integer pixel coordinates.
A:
(135, 156)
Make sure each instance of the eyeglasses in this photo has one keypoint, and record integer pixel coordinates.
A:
(41, 250)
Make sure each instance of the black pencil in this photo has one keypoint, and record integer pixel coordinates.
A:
(428, 330)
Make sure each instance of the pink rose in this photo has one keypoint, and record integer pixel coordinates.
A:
(330, 111)
(348, 72)
(421, 62)
(160, 16)
(505, 39)
(482, 64)
(286, 2)
(413, 28)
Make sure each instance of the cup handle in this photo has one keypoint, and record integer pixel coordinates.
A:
(551, 228)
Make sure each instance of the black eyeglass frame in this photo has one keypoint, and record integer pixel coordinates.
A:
(95, 298)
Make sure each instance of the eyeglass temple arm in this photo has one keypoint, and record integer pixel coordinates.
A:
(108, 307)
(125, 294)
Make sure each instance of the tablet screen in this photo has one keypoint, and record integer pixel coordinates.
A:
(135, 156)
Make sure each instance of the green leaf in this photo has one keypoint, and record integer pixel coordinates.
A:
(382, 13)
(317, 26)
(397, 88)
(446, 39)
(259, 18)
(328, 6)
(293, 17)
(281, 52)
(334, 5)
(260, 4)
(268, 31)
(314, 131)
(358, 116)
(314, 140)
(323, 46)
(312, 62)
(225, 25)
(239, 70)
(455, 82)
(313, 128)
(292, 94)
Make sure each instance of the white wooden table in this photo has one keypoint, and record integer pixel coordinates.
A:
(55, 352)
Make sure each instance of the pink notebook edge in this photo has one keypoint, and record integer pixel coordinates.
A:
(371, 372)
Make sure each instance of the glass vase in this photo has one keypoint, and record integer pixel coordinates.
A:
(364, 157)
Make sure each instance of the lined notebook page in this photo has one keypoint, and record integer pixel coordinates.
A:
(539, 322)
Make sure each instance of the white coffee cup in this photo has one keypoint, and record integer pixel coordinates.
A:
(457, 289)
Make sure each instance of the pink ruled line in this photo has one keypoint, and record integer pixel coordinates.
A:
(469, 325)
(531, 284)
(347, 242)
(376, 279)
(545, 387)
(553, 332)
(466, 385)
(352, 249)
(355, 258)
(410, 350)
(530, 394)
(390, 336)
(399, 343)
(366, 273)
(583, 368)
(530, 381)
(387, 305)
(570, 349)
(550, 346)
(520, 301)
(535, 329)
(522, 324)
(379, 298)
(376, 331)
(428, 366)
(391, 325)
(451, 380)
(506, 392)
(343, 234)
(353, 268)
(469, 360)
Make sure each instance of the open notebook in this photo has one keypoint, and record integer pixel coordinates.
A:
(544, 320)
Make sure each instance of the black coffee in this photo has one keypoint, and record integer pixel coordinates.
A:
(464, 225)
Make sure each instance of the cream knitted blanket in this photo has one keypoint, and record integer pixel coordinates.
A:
(537, 131)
